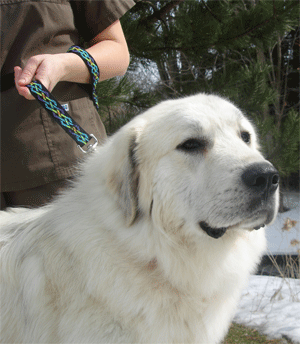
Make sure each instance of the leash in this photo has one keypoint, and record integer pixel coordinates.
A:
(59, 114)
(92, 67)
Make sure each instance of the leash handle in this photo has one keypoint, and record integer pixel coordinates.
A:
(60, 115)
(92, 67)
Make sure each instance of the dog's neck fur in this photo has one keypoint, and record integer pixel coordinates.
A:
(182, 267)
(173, 268)
(179, 260)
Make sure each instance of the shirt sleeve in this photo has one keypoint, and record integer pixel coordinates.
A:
(92, 17)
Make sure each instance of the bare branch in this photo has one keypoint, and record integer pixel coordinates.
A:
(159, 14)
(211, 12)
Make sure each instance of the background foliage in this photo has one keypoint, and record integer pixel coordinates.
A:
(245, 50)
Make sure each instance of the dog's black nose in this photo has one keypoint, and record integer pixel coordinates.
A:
(261, 178)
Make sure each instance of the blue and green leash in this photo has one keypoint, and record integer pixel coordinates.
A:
(59, 114)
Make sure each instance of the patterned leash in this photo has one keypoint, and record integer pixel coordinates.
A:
(92, 67)
(59, 114)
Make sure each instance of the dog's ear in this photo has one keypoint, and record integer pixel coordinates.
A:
(124, 178)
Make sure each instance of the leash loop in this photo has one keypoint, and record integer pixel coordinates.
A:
(59, 114)
(92, 67)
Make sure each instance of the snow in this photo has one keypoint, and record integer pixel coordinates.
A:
(272, 304)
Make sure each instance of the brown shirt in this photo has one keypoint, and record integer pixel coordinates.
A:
(34, 149)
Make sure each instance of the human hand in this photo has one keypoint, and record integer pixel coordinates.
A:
(48, 69)
(109, 49)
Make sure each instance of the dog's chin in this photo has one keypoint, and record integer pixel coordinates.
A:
(217, 233)
(254, 222)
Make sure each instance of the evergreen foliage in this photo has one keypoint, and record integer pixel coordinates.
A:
(246, 50)
(282, 145)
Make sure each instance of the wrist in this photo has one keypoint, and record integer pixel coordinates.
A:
(74, 69)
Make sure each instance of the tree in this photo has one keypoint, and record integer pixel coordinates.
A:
(246, 50)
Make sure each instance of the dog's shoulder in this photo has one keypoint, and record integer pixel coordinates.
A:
(16, 221)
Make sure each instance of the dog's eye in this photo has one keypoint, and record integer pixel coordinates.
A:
(192, 145)
(245, 136)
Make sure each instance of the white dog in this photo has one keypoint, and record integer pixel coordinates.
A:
(154, 241)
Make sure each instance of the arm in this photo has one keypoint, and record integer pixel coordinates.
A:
(108, 48)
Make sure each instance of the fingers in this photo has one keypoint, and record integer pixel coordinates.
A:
(21, 85)
(37, 68)
(31, 69)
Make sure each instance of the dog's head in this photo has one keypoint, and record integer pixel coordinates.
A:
(193, 163)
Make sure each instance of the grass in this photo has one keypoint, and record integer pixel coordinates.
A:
(290, 268)
(239, 334)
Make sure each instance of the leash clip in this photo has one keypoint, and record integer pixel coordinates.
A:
(89, 147)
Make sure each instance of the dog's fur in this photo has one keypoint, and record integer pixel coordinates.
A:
(121, 256)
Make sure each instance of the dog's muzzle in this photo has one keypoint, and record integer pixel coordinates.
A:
(262, 179)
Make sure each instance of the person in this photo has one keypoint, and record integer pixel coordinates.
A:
(37, 157)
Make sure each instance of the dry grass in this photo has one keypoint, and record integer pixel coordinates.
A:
(291, 268)
(239, 334)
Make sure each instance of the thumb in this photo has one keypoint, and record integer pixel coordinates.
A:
(36, 68)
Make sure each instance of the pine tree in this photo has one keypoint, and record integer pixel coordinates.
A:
(245, 50)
